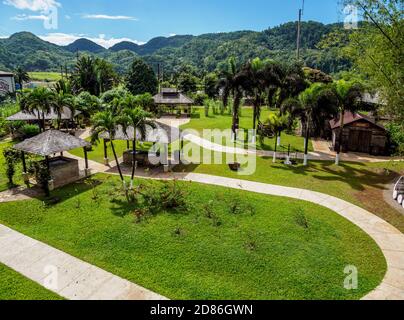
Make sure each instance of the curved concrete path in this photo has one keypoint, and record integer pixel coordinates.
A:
(74, 279)
(388, 238)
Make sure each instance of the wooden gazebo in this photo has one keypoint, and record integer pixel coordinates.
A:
(174, 100)
(51, 145)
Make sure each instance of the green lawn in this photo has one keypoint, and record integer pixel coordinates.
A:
(260, 251)
(199, 122)
(45, 76)
(14, 286)
(360, 183)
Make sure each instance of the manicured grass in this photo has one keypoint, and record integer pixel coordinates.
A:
(45, 76)
(14, 286)
(261, 251)
(199, 122)
(360, 183)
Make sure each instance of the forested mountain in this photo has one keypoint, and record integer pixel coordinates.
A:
(84, 45)
(203, 53)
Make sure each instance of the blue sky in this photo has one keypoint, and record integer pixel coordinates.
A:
(108, 22)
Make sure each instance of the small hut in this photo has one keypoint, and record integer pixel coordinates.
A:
(51, 145)
(173, 100)
(361, 134)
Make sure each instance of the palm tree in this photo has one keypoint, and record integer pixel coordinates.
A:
(138, 119)
(315, 100)
(61, 101)
(292, 81)
(275, 124)
(106, 122)
(348, 95)
(40, 101)
(21, 76)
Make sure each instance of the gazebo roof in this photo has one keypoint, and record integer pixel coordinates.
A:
(162, 134)
(170, 96)
(51, 142)
(32, 116)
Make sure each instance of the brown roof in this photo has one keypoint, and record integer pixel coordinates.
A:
(51, 142)
(6, 74)
(351, 118)
(32, 116)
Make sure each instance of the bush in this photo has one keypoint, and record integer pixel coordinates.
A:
(199, 99)
(11, 157)
(396, 132)
(29, 130)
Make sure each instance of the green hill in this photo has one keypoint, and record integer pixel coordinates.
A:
(204, 53)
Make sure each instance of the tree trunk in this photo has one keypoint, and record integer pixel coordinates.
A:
(117, 161)
(133, 164)
(306, 147)
(341, 137)
(276, 146)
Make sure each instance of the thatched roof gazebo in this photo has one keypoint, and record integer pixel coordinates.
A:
(173, 98)
(36, 115)
(50, 143)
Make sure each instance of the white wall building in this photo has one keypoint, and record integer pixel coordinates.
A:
(7, 83)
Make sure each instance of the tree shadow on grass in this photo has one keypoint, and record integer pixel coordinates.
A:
(357, 175)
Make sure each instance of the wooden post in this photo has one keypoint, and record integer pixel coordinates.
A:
(86, 161)
(105, 153)
(24, 163)
(47, 162)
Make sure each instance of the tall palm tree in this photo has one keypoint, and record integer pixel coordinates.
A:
(348, 95)
(106, 122)
(21, 76)
(292, 81)
(61, 101)
(317, 99)
(226, 83)
(40, 101)
(138, 119)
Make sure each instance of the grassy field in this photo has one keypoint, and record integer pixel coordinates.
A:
(45, 76)
(360, 183)
(14, 286)
(199, 122)
(267, 248)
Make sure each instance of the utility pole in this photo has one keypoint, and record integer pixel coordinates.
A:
(159, 76)
(299, 31)
(299, 25)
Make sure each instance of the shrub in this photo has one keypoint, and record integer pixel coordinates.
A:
(301, 219)
(11, 157)
(199, 99)
(29, 131)
(396, 132)
(42, 175)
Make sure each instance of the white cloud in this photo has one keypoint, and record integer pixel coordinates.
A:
(22, 17)
(108, 17)
(33, 5)
(63, 39)
(172, 34)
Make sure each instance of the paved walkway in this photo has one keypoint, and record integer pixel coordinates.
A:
(75, 279)
(319, 155)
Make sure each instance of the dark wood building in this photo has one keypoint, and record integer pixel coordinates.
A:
(361, 134)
